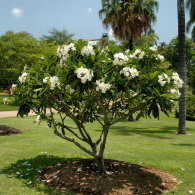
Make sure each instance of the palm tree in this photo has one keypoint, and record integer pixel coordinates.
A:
(190, 5)
(129, 20)
(182, 65)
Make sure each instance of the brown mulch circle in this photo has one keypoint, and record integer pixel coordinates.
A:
(5, 130)
(81, 177)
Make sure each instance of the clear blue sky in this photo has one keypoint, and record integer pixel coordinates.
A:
(77, 16)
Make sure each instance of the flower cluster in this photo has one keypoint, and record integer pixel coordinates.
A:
(163, 78)
(129, 72)
(177, 81)
(5, 101)
(119, 59)
(22, 78)
(53, 81)
(68, 87)
(138, 54)
(101, 86)
(87, 50)
(37, 120)
(154, 48)
(63, 53)
(175, 92)
(84, 74)
(160, 57)
(14, 86)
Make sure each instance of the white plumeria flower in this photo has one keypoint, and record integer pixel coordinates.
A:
(101, 86)
(5, 101)
(84, 74)
(79, 169)
(177, 81)
(29, 182)
(87, 50)
(37, 120)
(138, 54)
(163, 78)
(160, 57)
(129, 72)
(182, 169)
(154, 48)
(22, 78)
(10, 176)
(190, 191)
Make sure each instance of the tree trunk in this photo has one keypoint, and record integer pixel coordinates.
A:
(131, 118)
(100, 164)
(182, 66)
(131, 44)
(131, 48)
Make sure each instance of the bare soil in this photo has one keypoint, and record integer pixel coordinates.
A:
(5, 130)
(81, 177)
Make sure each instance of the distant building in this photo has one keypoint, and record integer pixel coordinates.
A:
(105, 35)
(94, 42)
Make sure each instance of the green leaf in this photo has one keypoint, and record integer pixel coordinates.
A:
(153, 75)
(39, 89)
(139, 116)
(93, 57)
(81, 64)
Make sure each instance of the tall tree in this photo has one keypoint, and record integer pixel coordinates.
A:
(60, 37)
(190, 5)
(130, 19)
(182, 66)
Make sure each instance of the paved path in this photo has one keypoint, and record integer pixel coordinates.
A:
(14, 113)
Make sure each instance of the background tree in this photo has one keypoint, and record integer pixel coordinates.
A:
(182, 65)
(171, 54)
(190, 5)
(130, 19)
(57, 36)
(15, 50)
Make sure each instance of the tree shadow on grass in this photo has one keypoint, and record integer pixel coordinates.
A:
(126, 178)
(27, 170)
(187, 145)
(147, 131)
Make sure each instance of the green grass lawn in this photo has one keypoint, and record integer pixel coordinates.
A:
(148, 142)
(6, 107)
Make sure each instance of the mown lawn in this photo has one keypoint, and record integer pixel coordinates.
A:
(148, 142)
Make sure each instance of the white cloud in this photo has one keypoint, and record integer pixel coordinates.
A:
(90, 9)
(17, 12)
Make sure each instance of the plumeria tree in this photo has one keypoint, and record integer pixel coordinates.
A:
(87, 85)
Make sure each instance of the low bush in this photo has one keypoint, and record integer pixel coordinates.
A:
(190, 108)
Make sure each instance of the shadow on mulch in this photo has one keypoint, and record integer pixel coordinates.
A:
(81, 177)
(6, 131)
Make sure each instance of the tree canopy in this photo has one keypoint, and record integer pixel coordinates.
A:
(60, 37)
(190, 5)
(15, 50)
(84, 85)
(130, 19)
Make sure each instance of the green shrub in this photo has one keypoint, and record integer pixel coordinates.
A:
(190, 108)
